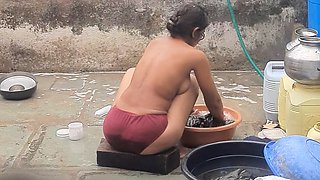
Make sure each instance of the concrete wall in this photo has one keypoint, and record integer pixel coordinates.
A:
(101, 35)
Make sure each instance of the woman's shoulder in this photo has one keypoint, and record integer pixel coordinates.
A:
(159, 39)
(199, 54)
(156, 40)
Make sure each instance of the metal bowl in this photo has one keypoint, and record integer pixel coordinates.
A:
(17, 85)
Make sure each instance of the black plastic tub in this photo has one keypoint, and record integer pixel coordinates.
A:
(226, 160)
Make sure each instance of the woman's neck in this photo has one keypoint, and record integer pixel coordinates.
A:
(181, 39)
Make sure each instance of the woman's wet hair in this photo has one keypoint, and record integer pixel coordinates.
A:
(186, 19)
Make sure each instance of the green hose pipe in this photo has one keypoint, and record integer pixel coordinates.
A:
(241, 40)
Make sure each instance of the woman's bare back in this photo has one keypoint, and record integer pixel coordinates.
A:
(162, 73)
(162, 83)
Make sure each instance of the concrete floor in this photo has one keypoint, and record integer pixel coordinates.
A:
(28, 127)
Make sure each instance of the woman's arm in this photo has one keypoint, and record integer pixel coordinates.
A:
(210, 93)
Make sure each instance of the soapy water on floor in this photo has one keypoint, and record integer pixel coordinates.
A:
(226, 91)
(239, 98)
(236, 88)
(80, 94)
(233, 89)
(111, 90)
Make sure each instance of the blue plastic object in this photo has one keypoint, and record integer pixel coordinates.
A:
(314, 14)
(294, 157)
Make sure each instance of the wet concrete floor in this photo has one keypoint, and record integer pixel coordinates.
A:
(28, 127)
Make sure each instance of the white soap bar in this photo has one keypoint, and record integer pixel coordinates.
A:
(103, 111)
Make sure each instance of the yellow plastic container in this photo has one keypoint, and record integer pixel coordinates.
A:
(285, 84)
(302, 108)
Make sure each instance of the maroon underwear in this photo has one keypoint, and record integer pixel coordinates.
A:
(129, 132)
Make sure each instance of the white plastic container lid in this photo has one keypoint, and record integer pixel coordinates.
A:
(63, 132)
(274, 71)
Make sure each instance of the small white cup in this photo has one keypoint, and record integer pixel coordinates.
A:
(75, 131)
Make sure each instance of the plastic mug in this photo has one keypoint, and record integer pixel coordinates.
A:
(75, 131)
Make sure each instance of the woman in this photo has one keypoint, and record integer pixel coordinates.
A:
(154, 99)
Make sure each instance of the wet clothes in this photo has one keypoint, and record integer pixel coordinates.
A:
(129, 132)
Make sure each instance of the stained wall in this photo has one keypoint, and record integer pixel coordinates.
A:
(109, 35)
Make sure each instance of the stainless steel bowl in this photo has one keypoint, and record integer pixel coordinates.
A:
(17, 85)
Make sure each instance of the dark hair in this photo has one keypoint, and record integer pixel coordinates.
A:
(186, 18)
